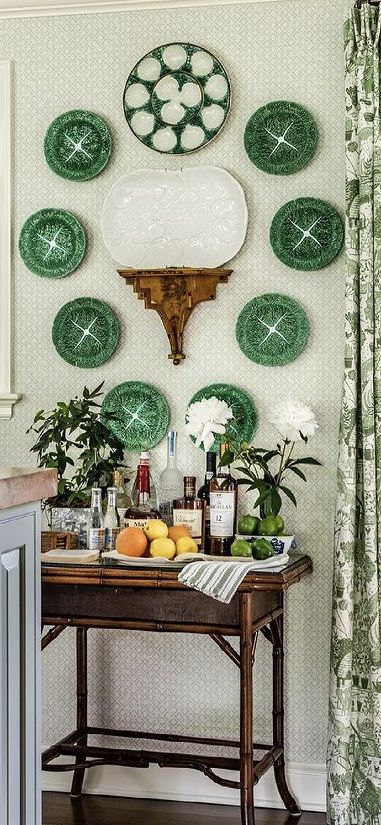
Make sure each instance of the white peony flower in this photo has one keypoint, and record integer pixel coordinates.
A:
(293, 418)
(204, 419)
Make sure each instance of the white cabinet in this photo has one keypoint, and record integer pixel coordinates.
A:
(19, 665)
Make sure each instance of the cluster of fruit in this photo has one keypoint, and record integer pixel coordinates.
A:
(253, 526)
(258, 547)
(156, 539)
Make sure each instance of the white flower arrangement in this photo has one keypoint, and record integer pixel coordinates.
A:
(266, 470)
(207, 418)
(294, 421)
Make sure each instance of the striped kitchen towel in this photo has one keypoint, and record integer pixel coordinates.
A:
(221, 579)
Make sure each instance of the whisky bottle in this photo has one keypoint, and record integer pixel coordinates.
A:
(96, 526)
(204, 494)
(223, 510)
(123, 499)
(171, 481)
(189, 510)
(111, 520)
(143, 505)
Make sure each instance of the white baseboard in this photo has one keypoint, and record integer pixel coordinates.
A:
(307, 782)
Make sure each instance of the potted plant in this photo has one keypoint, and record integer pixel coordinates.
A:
(269, 472)
(75, 440)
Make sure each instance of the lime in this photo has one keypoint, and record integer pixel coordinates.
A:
(247, 525)
(262, 549)
(280, 524)
(268, 526)
(240, 547)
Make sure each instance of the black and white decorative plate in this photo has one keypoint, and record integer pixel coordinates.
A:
(281, 137)
(85, 332)
(78, 145)
(140, 414)
(307, 234)
(52, 243)
(272, 330)
(177, 98)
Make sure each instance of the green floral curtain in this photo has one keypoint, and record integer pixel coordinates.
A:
(354, 755)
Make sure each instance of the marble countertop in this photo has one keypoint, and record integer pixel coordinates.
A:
(19, 485)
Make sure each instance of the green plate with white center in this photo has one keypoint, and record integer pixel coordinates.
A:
(78, 145)
(272, 330)
(177, 98)
(52, 243)
(245, 414)
(281, 137)
(307, 234)
(86, 332)
(142, 414)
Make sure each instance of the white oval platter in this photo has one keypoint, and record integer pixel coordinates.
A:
(194, 217)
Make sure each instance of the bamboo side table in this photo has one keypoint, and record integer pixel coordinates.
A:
(107, 596)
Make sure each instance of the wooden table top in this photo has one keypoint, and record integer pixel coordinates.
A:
(108, 573)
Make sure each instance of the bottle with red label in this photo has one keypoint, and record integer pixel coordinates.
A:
(144, 506)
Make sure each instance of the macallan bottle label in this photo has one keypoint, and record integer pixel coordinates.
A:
(193, 519)
(135, 522)
(222, 512)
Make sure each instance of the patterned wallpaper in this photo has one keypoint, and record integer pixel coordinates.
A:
(271, 51)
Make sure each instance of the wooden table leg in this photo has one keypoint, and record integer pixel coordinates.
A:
(290, 803)
(76, 787)
(246, 710)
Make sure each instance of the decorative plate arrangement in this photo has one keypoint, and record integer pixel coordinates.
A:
(272, 330)
(177, 98)
(78, 145)
(85, 332)
(194, 217)
(52, 243)
(281, 137)
(142, 414)
(244, 410)
(307, 233)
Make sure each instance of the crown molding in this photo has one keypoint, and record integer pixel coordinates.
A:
(45, 8)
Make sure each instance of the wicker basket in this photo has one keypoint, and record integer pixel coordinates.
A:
(52, 540)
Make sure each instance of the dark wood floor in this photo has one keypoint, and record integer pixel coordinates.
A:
(58, 809)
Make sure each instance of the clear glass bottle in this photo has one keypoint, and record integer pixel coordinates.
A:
(171, 480)
(204, 494)
(96, 528)
(144, 502)
(111, 519)
(123, 499)
(223, 510)
(190, 510)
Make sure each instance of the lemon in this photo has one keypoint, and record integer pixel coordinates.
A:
(163, 547)
(155, 529)
(186, 545)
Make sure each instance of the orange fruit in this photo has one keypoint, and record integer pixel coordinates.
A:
(131, 542)
(178, 531)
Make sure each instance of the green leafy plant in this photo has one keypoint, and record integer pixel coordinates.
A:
(266, 470)
(74, 439)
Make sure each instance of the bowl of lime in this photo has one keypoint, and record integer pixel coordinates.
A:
(271, 528)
